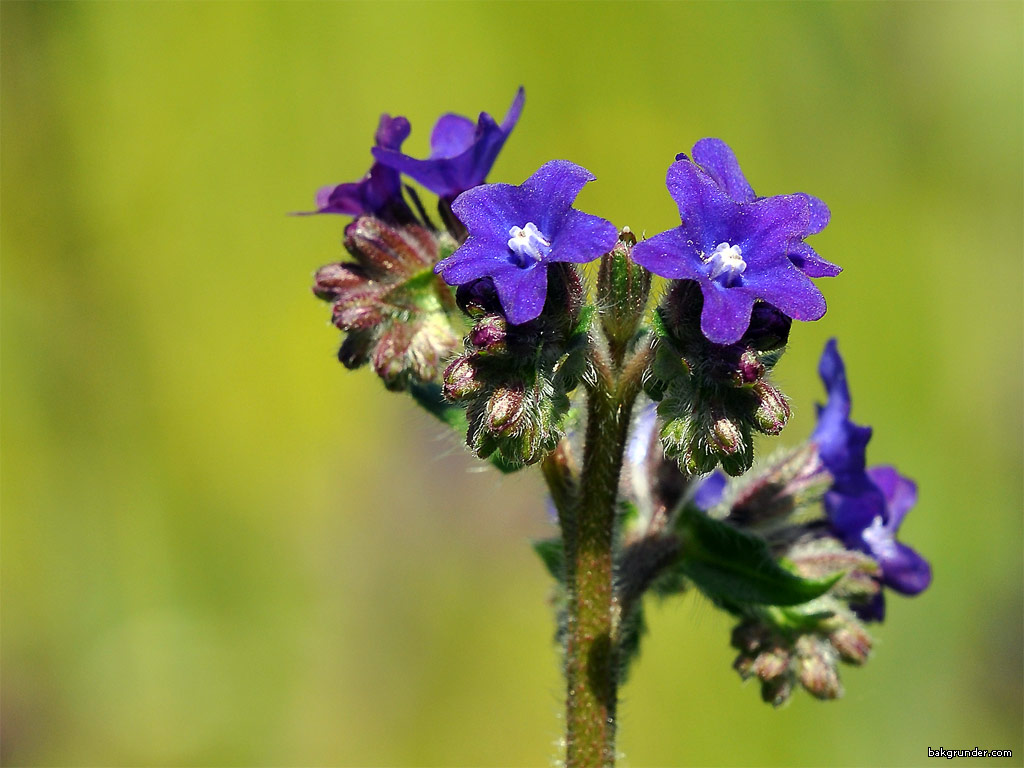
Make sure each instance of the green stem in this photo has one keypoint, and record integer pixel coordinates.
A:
(588, 531)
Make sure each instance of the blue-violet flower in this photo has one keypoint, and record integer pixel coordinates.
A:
(735, 246)
(379, 192)
(461, 152)
(515, 232)
(865, 506)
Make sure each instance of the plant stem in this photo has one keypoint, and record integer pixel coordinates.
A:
(588, 531)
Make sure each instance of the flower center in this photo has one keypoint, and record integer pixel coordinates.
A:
(528, 242)
(880, 539)
(726, 264)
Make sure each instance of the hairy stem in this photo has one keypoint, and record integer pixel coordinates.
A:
(588, 531)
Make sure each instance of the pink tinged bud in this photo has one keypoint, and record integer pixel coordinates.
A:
(357, 313)
(816, 667)
(390, 358)
(489, 334)
(749, 369)
(335, 280)
(387, 253)
(771, 663)
(852, 642)
(505, 409)
(461, 380)
(772, 411)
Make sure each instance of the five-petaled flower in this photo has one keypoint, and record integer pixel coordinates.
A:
(515, 232)
(738, 247)
(461, 152)
(865, 506)
(379, 192)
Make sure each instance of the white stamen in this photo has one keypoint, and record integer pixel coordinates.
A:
(726, 260)
(880, 538)
(528, 241)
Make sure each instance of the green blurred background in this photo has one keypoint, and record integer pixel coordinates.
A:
(220, 548)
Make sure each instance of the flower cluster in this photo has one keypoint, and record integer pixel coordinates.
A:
(487, 321)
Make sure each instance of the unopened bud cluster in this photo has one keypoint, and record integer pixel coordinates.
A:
(395, 311)
(714, 397)
(514, 380)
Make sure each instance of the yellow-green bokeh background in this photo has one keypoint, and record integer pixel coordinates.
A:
(220, 548)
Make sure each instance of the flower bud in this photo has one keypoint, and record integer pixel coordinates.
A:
(505, 409)
(816, 667)
(777, 691)
(748, 369)
(852, 642)
(355, 350)
(478, 298)
(461, 380)
(771, 663)
(772, 410)
(489, 334)
(384, 250)
(622, 290)
(334, 280)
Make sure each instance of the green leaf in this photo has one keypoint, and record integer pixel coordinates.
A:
(552, 554)
(737, 567)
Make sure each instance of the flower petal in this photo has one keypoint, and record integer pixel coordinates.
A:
(522, 291)
(710, 491)
(810, 263)
(904, 570)
(820, 214)
(726, 313)
(788, 289)
(475, 258)
(392, 131)
(551, 191)
(452, 135)
(672, 254)
(491, 210)
(514, 110)
(707, 212)
(718, 161)
(582, 237)
(900, 493)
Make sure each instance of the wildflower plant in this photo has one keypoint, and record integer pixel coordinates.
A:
(639, 409)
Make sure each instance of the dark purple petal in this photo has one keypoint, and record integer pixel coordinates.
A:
(718, 161)
(582, 237)
(392, 131)
(726, 313)
(710, 491)
(900, 493)
(522, 291)
(873, 610)
(452, 135)
(670, 254)
(447, 174)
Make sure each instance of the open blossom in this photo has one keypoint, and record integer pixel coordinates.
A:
(379, 192)
(739, 248)
(515, 232)
(461, 151)
(865, 506)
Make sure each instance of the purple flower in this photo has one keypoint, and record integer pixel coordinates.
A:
(736, 246)
(516, 232)
(717, 159)
(710, 491)
(865, 506)
(461, 153)
(379, 192)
